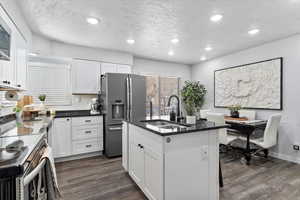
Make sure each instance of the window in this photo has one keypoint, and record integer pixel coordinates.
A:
(52, 80)
(159, 89)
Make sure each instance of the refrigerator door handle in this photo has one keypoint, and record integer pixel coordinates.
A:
(130, 98)
(127, 99)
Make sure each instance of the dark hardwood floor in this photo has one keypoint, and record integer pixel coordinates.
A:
(99, 178)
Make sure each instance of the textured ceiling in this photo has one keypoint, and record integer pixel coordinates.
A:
(153, 23)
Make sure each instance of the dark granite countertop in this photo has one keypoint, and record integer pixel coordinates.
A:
(201, 125)
(30, 134)
(74, 113)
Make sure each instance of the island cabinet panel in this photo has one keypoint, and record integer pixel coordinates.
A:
(153, 179)
(175, 167)
(137, 164)
(193, 153)
(125, 146)
(146, 162)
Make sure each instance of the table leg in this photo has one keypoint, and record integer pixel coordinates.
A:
(248, 150)
(220, 176)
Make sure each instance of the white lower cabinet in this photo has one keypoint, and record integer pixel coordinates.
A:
(153, 175)
(77, 135)
(146, 162)
(61, 136)
(87, 134)
(176, 167)
(86, 146)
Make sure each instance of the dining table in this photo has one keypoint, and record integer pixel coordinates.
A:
(246, 127)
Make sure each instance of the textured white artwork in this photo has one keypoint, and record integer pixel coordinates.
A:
(252, 86)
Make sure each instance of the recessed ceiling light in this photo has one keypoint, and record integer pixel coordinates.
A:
(92, 20)
(175, 40)
(208, 48)
(203, 58)
(216, 18)
(253, 31)
(171, 53)
(130, 41)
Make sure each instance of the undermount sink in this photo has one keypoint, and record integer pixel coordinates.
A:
(164, 124)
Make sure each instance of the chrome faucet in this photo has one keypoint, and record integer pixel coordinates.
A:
(178, 103)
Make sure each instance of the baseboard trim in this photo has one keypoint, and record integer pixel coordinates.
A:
(285, 157)
(78, 157)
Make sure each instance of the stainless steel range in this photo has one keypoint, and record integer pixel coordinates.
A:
(124, 98)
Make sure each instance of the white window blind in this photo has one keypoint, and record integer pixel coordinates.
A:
(53, 80)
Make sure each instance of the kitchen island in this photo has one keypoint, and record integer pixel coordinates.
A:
(171, 161)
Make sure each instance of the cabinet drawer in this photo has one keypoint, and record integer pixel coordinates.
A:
(79, 133)
(81, 121)
(87, 146)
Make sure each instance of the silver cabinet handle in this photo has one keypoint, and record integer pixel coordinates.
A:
(115, 128)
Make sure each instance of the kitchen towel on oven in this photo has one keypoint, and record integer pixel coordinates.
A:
(51, 179)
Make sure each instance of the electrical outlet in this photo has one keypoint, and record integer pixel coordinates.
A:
(296, 147)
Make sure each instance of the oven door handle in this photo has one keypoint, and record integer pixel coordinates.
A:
(34, 173)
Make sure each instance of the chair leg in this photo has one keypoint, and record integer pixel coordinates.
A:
(266, 152)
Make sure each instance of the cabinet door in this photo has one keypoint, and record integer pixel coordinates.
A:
(61, 137)
(137, 164)
(125, 146)
(108, 68)
(153, 180)
(125, 69)
(86, 77)
(20, 61)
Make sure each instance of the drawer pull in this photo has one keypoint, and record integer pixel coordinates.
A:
(87, 132)
(115, 128)
(88, 121)
(88, 146)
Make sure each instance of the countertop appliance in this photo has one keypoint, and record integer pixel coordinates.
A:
(124, 98)
(95, 106)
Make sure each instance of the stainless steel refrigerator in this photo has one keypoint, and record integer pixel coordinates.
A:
(124, 98)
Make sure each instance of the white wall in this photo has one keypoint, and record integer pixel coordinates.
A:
(47, 47)
(152, 67)
(288, 49)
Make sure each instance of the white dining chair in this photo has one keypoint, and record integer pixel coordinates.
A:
(219, 119)
(249, 114)
(203, 113)
(270, 134)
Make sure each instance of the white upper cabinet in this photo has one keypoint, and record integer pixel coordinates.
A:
(85, 76)
(125, 69)
(13, 70)
(108, 68)
(20, 62)
(115, 68)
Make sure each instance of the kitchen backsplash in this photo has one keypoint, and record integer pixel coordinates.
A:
(79, 102)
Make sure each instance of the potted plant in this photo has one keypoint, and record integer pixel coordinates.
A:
(42, 98)
(234, 110)
(192, 94)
